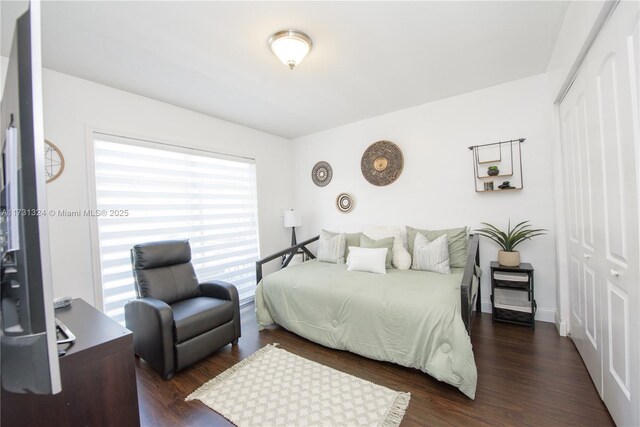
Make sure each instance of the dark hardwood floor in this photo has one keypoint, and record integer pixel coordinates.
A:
(524, 378)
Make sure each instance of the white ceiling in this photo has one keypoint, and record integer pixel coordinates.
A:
(369, 58)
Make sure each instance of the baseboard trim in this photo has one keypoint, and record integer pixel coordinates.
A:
(562, 328)
(561, 325)
(542, 313)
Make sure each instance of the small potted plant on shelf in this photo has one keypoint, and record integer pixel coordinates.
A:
(493, 171)
(508, 240)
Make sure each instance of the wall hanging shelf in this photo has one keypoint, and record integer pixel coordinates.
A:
(498, 166)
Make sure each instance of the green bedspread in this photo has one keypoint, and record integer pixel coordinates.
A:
(408, 317)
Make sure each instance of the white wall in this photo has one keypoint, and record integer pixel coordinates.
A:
(73, 105)
(436, 187)
(577, 27)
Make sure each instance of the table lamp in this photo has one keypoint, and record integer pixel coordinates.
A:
(292, 219)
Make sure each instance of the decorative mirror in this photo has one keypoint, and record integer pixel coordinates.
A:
(321, 174)
(53, 161)
(382, 163)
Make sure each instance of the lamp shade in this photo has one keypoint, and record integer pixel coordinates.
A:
(290, 46)
(292, 219)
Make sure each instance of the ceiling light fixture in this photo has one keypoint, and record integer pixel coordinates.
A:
(290, 46)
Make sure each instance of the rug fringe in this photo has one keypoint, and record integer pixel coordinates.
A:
(396, 412)
(226, 374)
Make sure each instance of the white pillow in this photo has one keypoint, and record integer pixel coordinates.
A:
(331, 247)
(371, 260)
(431, 256)
(401, 256)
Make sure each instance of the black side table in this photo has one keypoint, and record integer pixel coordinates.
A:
(512, 294)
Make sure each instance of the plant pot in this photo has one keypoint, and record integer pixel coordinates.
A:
(509, 259)
(493, 172)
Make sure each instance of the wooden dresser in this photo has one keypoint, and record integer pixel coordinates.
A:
(98, 378)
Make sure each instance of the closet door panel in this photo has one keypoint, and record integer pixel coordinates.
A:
(601, 148)
(612, 65)
(613, 166)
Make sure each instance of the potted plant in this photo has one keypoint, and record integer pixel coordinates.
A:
(508, 240)
(493, 171)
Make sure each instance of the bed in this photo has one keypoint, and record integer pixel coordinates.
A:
(417, 319)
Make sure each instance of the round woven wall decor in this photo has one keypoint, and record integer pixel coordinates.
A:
(382, 163)
(321, 174)
(53, 161)
(344, 202)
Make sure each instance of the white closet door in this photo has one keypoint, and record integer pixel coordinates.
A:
(600, 131)
(614, 55)
(582, 173)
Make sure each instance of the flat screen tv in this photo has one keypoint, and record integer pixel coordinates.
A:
(29, 356)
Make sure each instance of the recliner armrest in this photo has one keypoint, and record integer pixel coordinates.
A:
(219, 289)
(151, 321)
(226, 291)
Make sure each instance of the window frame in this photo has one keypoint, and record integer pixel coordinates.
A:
(93, 133)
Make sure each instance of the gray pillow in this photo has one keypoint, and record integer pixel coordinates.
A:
(351, 239)
(431, 256)
(457, 242)
(368, 242)
(331, 247)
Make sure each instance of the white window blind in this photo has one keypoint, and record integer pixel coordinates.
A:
(149, 192)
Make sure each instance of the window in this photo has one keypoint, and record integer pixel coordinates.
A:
(147, 192)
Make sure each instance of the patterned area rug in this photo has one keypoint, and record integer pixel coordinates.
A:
(273, 387)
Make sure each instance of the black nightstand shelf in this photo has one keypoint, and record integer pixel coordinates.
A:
(512, 294)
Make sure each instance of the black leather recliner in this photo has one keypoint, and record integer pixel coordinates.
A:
(176, 321)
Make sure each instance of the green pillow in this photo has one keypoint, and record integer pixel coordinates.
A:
(387, 242)
(351, 239)
(457, 243)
